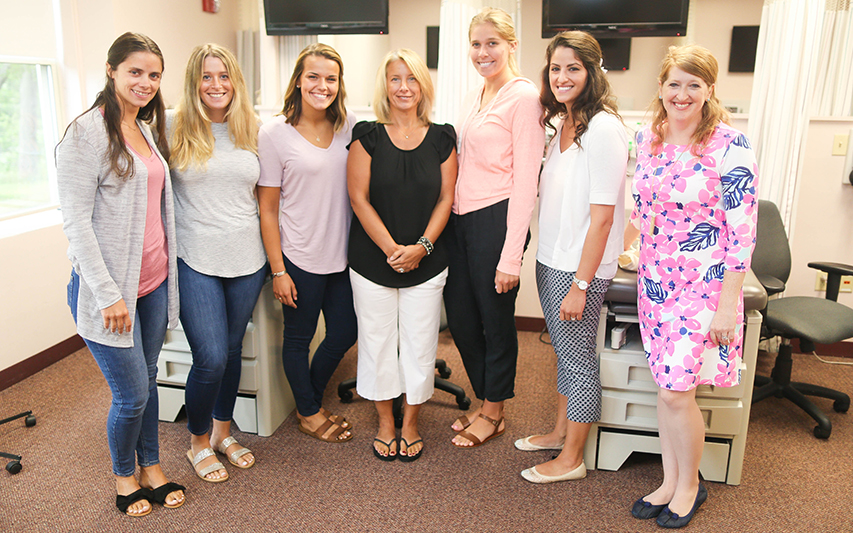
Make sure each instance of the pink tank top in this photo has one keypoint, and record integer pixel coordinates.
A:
(155, 257)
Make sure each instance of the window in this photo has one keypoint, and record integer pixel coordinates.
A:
(28, 135)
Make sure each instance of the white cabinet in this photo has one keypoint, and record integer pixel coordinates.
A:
(264, 399)
(629, 413)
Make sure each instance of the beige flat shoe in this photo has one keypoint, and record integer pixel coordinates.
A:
(533, 476)
(526, 446)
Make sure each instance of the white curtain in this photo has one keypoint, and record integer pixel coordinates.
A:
(804, 67)
(289, 47)
(456, 75)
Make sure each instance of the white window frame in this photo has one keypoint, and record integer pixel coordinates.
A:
(47, 76)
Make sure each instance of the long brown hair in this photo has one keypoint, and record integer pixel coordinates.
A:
(121, 162)
(596, 95)
(336, 113)
(700, 62)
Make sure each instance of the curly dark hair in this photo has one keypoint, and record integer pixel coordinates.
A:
(596, 95)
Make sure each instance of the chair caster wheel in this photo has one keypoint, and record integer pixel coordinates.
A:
(841, 406)
(30, 421)
(464, 403)
(346, 396)
(13, 467)
(445, 373)
(821, 433)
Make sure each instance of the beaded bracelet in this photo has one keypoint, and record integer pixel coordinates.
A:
(427, 244)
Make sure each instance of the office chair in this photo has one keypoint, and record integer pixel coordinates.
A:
(809, 319)
(14, 466)
(345, 387)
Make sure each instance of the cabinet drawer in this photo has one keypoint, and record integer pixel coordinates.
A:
(249, 376)
(639, 410)
(627, 370)
(251, 341)
(174, 365)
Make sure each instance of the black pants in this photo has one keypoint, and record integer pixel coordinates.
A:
(481, 321)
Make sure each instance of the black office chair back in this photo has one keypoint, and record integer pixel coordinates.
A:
(772, 254)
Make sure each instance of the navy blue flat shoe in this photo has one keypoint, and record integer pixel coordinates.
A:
(671, 520)
(644, 510)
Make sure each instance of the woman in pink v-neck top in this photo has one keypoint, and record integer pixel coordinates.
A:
(501, 141)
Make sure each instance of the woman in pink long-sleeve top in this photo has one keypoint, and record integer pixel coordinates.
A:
(501, 142)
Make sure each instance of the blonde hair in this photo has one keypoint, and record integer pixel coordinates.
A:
(192, 139)
(416, 65)
(700, 62)
(336, 113)
(502, 23)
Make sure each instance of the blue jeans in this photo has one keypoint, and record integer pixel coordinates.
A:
(131, 374)
(214, 314)
(331, 293)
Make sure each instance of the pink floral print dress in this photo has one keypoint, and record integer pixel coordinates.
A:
(697, 217)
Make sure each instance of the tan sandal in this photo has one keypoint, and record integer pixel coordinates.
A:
(201, 456)
(463, 421)
(336, 419)
(321, 432)
(234, 456)
(476, 440)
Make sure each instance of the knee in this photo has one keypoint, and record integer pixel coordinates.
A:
(677, 400)
(209, 369)
(133, 403)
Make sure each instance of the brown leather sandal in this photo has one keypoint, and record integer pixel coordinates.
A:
(476, 440)
(321, 432)
(463, 421)
(336, 419)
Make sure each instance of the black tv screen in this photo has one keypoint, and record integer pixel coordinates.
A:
(615, 18)
(743, 50)
(314, 17)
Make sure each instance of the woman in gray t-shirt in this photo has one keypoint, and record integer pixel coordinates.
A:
(213, 135)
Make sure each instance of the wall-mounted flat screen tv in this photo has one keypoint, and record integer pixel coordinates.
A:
(314, 17)
(615, 18)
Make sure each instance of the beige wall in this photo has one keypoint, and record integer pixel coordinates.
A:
(34, 269)
(823, 220)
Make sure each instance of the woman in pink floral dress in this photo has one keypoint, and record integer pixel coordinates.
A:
(696, 209)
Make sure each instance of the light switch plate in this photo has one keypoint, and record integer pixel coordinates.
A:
(839, 145)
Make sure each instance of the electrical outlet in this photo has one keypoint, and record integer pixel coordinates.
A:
(820, 282)
(846, 284)
(839, 145)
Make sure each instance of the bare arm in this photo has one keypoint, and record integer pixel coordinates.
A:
(358, 185)
(725, 319)
(268, 205)
(631, 234)
(601, 220)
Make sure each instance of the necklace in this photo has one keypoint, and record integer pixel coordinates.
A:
(128, 126)
(403, 132)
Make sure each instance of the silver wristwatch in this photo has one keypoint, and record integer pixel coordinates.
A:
(582, 285)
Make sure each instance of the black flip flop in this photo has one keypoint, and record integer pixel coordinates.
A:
(409, 458)
(381, 457)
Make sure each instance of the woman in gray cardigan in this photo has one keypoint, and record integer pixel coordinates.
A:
(116, 199)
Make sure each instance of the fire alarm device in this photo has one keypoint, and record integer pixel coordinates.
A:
(210, 6)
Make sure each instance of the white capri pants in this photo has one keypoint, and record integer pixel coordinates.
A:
(397, 338)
